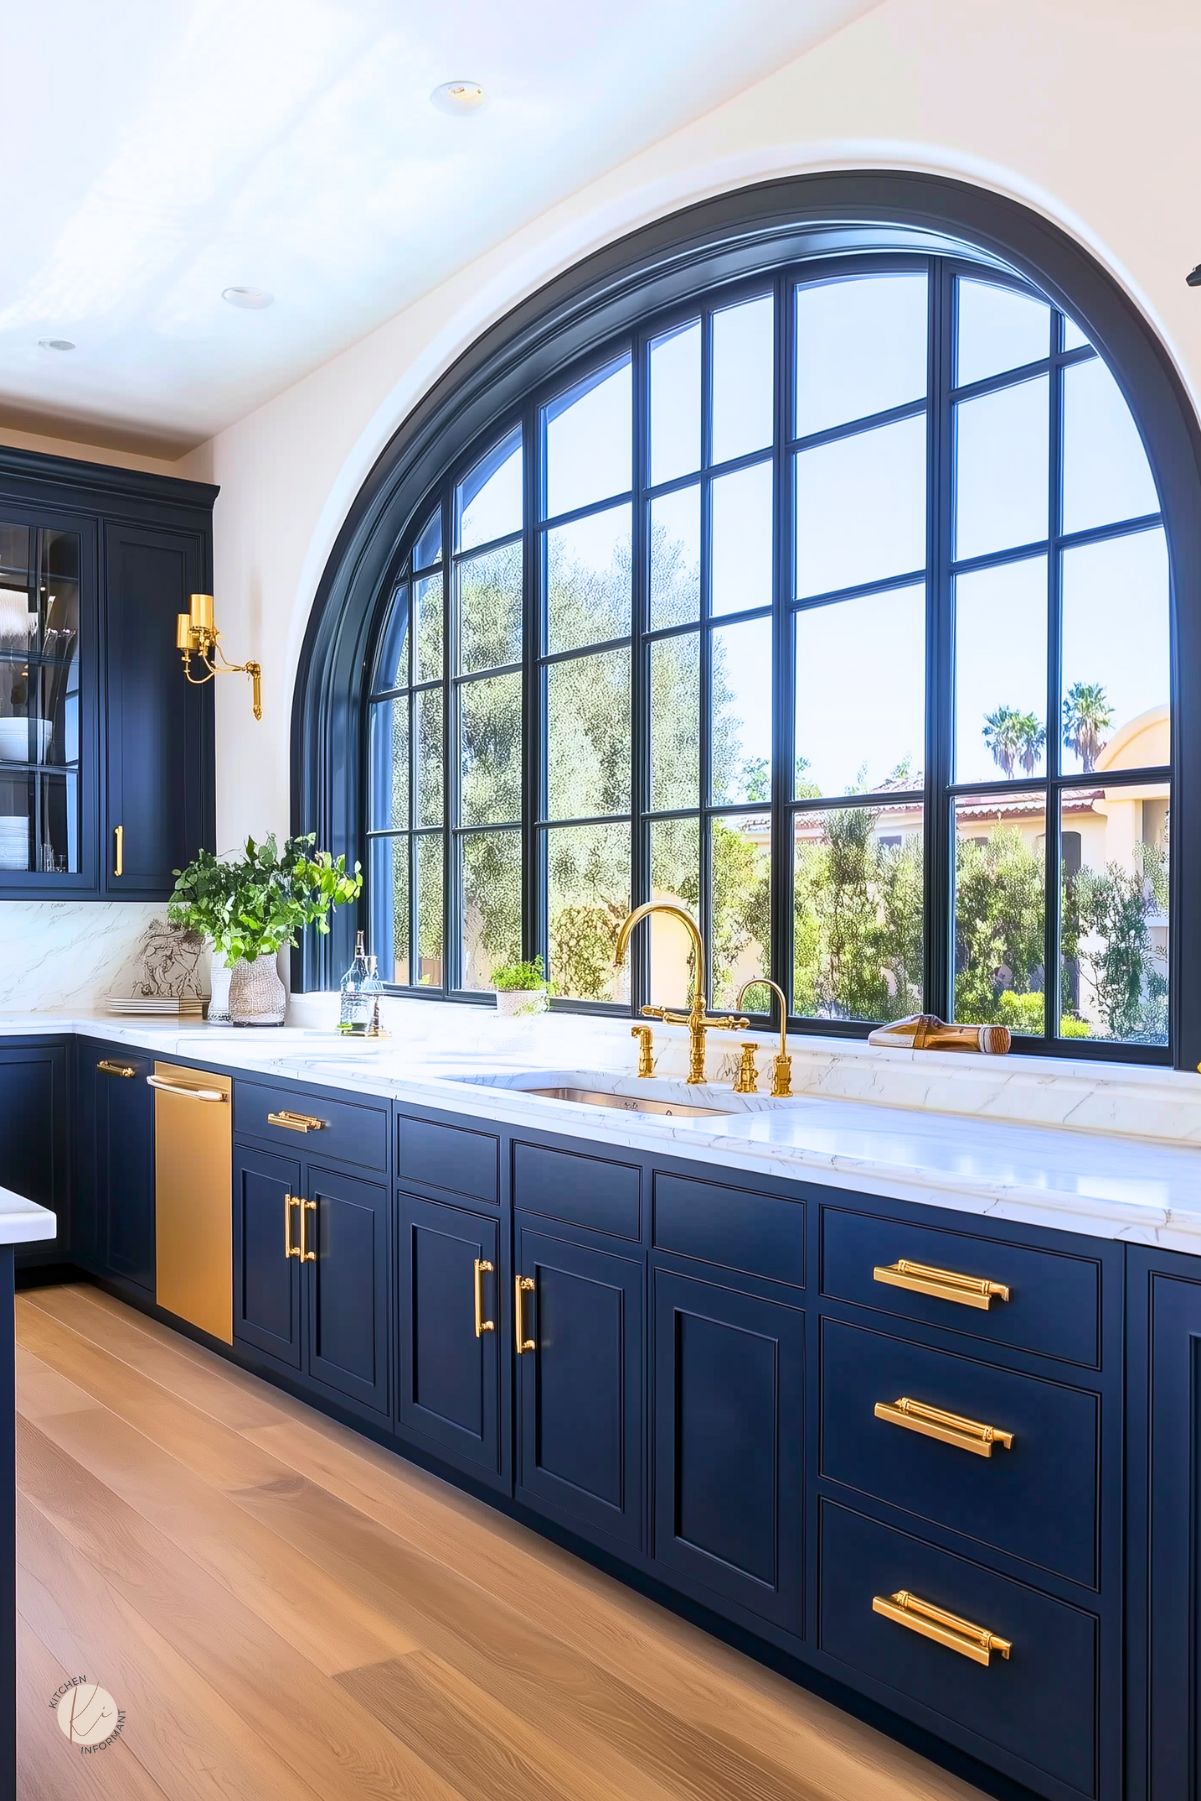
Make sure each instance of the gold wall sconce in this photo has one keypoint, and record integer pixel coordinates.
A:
(196, 635)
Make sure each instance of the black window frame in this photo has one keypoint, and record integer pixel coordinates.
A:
(901, 216)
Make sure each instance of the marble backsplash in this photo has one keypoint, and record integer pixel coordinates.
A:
(69, 954)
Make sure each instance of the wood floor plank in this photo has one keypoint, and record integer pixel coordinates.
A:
(49, 1767)
(315, 1728)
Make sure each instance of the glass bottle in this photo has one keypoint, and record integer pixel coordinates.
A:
(373, 988)
(354, 1014)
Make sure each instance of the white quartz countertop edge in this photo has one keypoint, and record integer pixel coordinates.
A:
(1066, 1180)
(22, 1221)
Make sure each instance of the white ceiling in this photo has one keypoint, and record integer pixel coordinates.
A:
(161, 150)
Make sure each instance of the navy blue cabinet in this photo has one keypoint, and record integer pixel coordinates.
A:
(729, 1446)
(267, 1200)
(347, 1275)
(35, 1156)
(116, 1162)
(1164, 1486)
(580, 1374)
(109, 785)
(451, 1329)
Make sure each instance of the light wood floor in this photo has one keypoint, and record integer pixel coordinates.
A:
(287, 1613)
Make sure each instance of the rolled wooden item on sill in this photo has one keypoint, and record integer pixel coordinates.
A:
(927, 1032)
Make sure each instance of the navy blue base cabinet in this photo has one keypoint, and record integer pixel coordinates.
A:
(8, 1538)
(35, 1138)
(114, 1220)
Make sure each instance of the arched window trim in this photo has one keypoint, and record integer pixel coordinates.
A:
(740, 239)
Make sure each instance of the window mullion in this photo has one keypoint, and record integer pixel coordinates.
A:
(938, 832)
(640, 877)
(783, 661)
(1052, 897)
(532, 859)
(705, 647)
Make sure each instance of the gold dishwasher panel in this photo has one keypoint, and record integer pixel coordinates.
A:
(193, 1185)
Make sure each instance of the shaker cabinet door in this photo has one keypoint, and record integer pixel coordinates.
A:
(123, 1195)
(347, 1280)
(159, 730)
(267, 1196)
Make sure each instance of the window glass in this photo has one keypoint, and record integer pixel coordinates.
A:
(1001, 446)
(588, 896)
(860, 348)
(388, 750)
(428, 548)
(427, 650)
(1106, 476)
(586, 437)
(392, 651)
(857, 912)
(740, 859)
(488, 500)
(588, 736)
(1116, 658)
(429, 749)
(861, 508)
(997, 328)
(743, 392)
(1001, 671)
(742, 539)
(1113, 945)
(863, 729)
(740, 735)
(388, 886)
(490, 883)
(490, 750)
(675, 402)
(589, 570)
(675, 876)
(675, 558)
(1000, 916)
(428, 853)
(490, 600)
(675, 708)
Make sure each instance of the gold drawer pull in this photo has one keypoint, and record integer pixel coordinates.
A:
(948, 1428)
(482, 1268)
(116, 1069)
(941, 1284)
(296, 1122)
(522, 1285)
(974, 1642)
(118, 850)
(290, 1201)
(305, 1255)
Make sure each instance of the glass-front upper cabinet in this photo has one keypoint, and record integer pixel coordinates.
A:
(47, 770)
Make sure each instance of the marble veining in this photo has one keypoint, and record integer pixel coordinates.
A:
(62, 954)
(1086, 1181)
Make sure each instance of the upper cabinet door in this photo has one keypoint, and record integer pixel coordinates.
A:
(158, 809)
(48, 755)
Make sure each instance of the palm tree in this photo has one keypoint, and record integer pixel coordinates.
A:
(1087, 716)
(1004, 737)
(1033, 737)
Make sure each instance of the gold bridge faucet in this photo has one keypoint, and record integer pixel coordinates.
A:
(781, 1077)
(696, 1019)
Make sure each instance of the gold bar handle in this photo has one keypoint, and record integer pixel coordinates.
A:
(118, 850)
(522, 1285)
(482, 1268)
(290, 1201)
(941, 1284)
(948, 1428)
(109, 1068)
(969, 1640)
(296, 1122)
(187, 1092)
(306, 1256)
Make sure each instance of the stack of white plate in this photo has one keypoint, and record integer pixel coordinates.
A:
(186, 1006)
(14, 841)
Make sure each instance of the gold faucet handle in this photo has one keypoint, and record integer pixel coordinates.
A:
(646, 1053)
(747, 1079)
(781, 1078)
(728, 1022)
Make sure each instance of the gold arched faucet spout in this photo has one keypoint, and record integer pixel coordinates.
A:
(696, 1019)
(781, 1079)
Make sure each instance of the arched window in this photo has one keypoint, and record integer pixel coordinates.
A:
(830, 593)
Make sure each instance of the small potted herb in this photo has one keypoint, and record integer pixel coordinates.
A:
(521, 988)
(251, 906)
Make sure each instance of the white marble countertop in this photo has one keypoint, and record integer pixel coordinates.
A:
(22, 1221)
(472, 1063)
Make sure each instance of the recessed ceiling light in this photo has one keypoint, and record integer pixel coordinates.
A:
(55, 344)
(253, 299)
(458, 96)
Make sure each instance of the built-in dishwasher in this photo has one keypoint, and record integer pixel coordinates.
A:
(193, 1189)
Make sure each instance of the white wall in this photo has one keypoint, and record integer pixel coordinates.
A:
(1085, 109)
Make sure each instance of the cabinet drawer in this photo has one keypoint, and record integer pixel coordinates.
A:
(1053, 1304)
(1038, 1706)
(1036, 1498)
(592, 1192)
(333, 1130)
(758, 1233)
(452, 1158)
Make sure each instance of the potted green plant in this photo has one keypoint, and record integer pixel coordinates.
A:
(251, 905)
(521, 988)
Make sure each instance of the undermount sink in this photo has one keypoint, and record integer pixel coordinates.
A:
(624, 1103)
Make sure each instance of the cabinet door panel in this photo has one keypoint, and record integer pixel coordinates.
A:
(580, 1387)
(159, 730)
(124, 1174)
(34, 1138)
(728, 1426)
(266, 1279)
(449, 1378)
(347, 1279)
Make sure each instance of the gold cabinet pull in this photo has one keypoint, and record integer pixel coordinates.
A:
(941, 1284)
(296, 1122)
(118, 850)
(290, 1201)
(522, 1285)
(306, 1207)
(948, 1428)
(109, 1068)
(922, 1617)
(482, 1268)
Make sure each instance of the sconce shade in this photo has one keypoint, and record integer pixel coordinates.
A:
(183, 631)
(202, 612)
